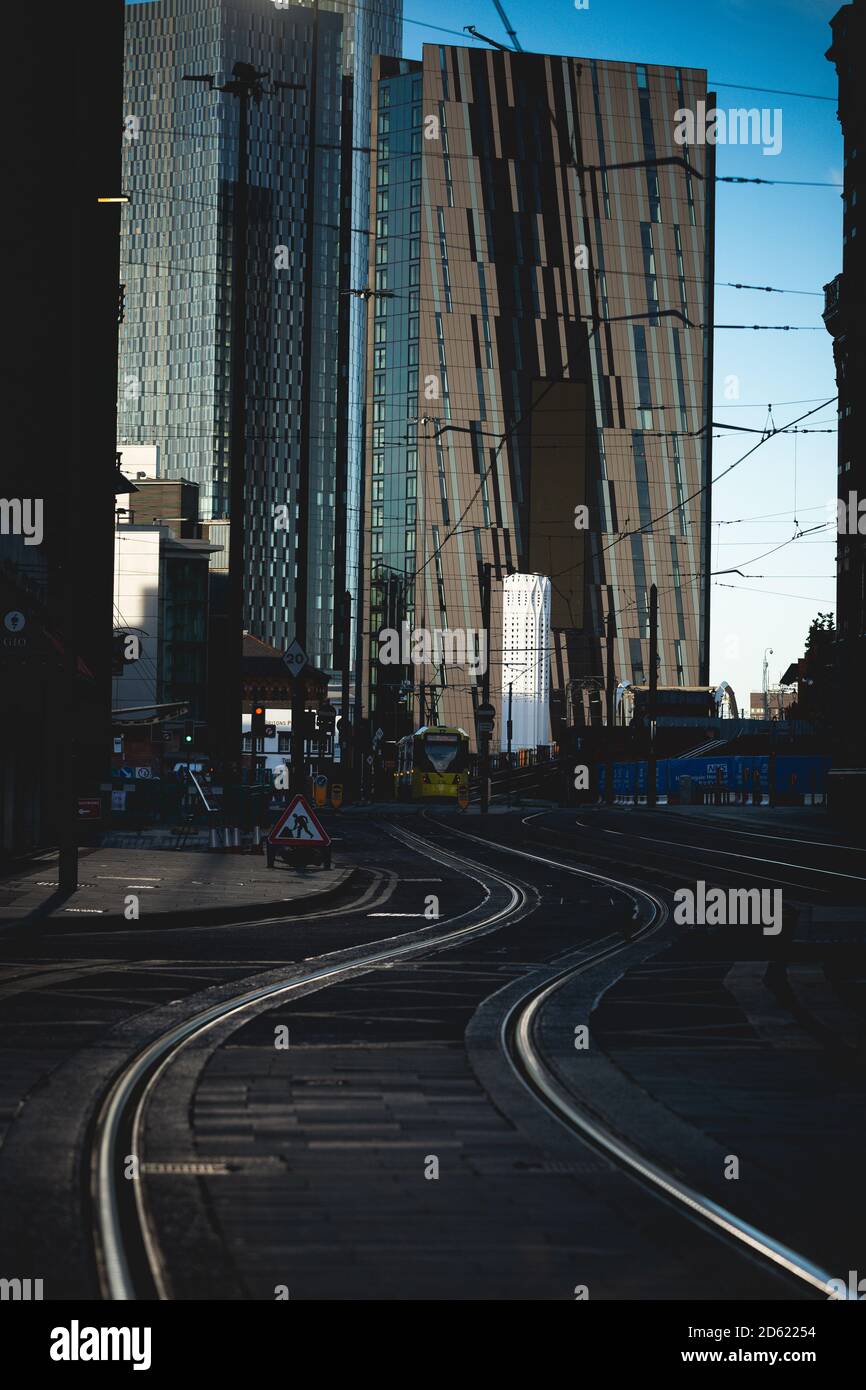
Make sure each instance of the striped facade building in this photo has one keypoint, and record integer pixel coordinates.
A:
(538, 369)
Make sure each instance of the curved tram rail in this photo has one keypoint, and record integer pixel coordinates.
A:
(124, 1235)
(518, 1038)
(128, 1255)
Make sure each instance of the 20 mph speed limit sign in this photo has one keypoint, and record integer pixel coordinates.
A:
(295, 658)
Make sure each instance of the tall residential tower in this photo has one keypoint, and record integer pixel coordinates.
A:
(539, 366)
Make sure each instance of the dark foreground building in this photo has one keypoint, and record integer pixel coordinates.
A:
(844, 308)
(539, 372)
(58, 473)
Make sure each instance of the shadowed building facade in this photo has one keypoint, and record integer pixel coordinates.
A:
(844, 305)
(539, 368)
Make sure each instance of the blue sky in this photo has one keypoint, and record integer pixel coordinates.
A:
(787, 237)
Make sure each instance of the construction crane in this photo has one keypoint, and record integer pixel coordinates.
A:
(507, 26)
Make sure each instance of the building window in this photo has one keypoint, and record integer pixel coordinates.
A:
(643, 378)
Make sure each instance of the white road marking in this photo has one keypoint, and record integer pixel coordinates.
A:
(396, 914)
(122, 878)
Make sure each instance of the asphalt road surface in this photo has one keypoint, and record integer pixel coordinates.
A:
(497, 1068)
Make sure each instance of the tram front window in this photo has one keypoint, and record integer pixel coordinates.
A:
(442, 750)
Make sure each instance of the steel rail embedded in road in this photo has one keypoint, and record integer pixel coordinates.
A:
(518, 1041)
(124, 1107)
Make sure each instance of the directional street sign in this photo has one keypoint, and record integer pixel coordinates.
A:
(295, 658)
(299, 824)
(89, 808)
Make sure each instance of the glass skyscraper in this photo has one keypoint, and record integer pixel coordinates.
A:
(180, 167)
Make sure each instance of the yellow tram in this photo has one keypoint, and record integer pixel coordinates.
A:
(432, 764)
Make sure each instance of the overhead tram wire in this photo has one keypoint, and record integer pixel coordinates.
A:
(777, 593)
(697, 493)
(624, 534)
(165, 268)
(538, 162)
(569, 318)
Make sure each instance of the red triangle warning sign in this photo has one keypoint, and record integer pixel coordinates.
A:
(298, 825)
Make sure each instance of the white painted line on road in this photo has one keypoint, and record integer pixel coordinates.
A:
(396, 914)
(121, 878)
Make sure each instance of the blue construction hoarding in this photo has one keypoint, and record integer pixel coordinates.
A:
(795, 775)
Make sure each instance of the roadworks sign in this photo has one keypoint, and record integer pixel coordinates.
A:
(299, 825)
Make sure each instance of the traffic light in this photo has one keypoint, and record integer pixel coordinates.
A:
(189, 731)
(257, 728)
(327, 717)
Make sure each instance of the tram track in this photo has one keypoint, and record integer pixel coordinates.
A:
(129, 1258)
(518, 1036)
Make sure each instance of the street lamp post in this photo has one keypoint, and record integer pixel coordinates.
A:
(768, 651)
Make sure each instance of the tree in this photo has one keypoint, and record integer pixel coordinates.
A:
(815, 683)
